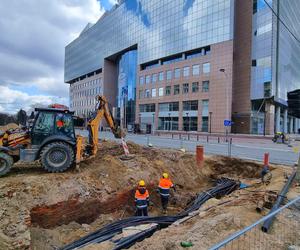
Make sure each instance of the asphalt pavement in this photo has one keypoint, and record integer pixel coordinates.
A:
(240, 148)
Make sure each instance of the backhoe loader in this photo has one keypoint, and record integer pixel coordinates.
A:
(52, 139)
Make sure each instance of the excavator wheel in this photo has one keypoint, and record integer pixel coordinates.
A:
(57, 157)
(6, 162)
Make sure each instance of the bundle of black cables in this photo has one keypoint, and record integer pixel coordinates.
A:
(223, 187)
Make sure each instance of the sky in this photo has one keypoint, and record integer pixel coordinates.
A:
(33, 36)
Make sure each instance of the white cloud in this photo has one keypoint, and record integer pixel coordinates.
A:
(13, 100)
(33, 36)
(113, 2)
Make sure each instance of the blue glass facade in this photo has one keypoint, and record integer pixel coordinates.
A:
(288, 63)
(158, 28)
(127, 67)
(275, 53)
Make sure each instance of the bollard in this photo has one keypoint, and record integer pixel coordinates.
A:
(200, 155)
(266, 159)
(218, 139)
(207, 140)
(197, 137)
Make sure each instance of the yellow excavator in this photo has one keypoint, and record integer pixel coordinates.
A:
(52, 139)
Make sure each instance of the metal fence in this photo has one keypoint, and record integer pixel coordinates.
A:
(284, 233)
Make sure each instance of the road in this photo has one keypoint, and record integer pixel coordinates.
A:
(240, 148)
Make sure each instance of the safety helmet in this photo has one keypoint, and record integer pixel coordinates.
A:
(141, 183)
(165, 175)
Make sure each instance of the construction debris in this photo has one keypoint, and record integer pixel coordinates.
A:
(47, 211)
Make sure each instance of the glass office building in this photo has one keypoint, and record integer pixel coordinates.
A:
(275, 61)
(153, 54)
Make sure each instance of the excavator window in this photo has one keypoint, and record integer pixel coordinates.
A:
(44, 123)
(64, 124)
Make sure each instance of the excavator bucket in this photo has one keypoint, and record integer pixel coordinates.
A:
(119, 133)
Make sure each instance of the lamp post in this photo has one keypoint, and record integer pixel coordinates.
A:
(188, 122)
(210, 115)
(169, 127)
(227, 101)
(265, 117)
(153, 124)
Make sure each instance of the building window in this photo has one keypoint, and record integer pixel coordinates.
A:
(161, 76)
(141, 94)
(185, 88)
(176, 89)
(168, 90)
(177, 73)
(168, 106)
(186, 71)
(264, 62)
(190, 105)
(264, 29)
(160, 91)
(153, 92)
(205, 86)
(204, 124)
(147, 107)
(190, 123)
(205, 104)
(154, 78)
(147, 93)
(148, 79)
(169, 75)
(168, 123)
(206, 68)
(195, 87)
(196, 70)
(267, 89)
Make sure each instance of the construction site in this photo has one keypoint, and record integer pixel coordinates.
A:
(49, 211)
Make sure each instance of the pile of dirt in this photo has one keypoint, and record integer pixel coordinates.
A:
(232, 167)
(46, 211)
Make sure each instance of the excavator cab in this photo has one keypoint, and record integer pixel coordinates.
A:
(52, 123)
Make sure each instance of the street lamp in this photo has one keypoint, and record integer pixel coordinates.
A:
(153, 123)
(188, 126)
(210, 115)
(227, 100)
(169, 127)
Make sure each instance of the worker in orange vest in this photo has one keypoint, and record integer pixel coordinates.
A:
(141, 199)
(164, 190)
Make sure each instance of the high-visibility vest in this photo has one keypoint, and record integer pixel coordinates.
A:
(164, 186)
(141, 198)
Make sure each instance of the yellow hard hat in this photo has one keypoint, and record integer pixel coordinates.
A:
(142, 183)
(165, 175)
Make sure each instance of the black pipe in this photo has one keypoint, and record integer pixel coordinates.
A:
(223, 187)
(268, 223)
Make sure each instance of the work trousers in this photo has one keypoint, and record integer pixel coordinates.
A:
(142, 211)
(164, 201)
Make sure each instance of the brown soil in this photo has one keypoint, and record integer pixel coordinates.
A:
(46, 211)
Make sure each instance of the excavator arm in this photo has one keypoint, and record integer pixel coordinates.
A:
(102, 111)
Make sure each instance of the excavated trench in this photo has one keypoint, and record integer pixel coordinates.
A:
(88, 210)
(77, 210)
(65, 221)
(55, 225)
